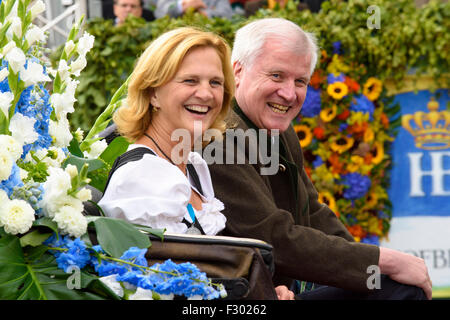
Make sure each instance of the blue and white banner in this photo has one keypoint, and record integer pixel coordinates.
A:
(420, 183)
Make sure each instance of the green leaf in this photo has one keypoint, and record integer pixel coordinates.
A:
(109, 230)
(118, 146)
(46, 222)
(74, 148)
(94, 164)
(34, 275)
(34, 238)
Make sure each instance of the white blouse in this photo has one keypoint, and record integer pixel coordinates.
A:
(155, 193)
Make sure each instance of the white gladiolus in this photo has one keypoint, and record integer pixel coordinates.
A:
(11, 146)
(63, 70)
(71, 170)
(33, 74)
(16, 59)
(3, 74)
(9, 46)
(62, 104)
(34, 34)
(60, 131)
(78, 65)
(6, 164)
(96, 149)
(84, 194)
(15, 27)
(85, 43)
(71, 221)
(5, 102)
(16, 216)
(69, 46)
(37, 9)
(22, 128)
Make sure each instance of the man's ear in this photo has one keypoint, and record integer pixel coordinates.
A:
(237, 70)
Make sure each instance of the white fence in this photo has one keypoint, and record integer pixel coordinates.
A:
(60, 15)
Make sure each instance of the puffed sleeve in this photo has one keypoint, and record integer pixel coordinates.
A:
(150, 192)
(210, 217)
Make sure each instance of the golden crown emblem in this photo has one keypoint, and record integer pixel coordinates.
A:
(430, 130)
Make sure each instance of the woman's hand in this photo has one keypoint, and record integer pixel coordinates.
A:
(283, 293)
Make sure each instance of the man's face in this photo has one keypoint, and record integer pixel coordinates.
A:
(272, 90)
(125, 7)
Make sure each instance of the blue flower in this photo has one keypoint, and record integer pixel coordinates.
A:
(317, 162)
(357, 185)
(76, 254)
(312, 104)
(332, 78)
(337, 47)
(13, 181)
(135, 255)
(360, 103)
(371, 239)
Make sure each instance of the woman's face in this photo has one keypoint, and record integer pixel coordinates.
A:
(195, 94)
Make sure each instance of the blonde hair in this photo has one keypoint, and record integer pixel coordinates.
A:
(157, 66)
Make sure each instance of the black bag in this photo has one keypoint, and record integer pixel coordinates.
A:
(244, 266)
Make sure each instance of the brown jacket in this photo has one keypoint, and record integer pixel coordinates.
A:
(310, 243)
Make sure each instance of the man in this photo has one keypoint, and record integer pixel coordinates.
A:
(209, 8)
(123, 8)
(273, 60)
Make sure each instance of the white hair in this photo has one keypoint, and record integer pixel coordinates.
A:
(250, 39)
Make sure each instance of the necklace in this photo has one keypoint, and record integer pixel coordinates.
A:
(164, 154)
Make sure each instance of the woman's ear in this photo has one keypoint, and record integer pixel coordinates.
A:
(154, 100)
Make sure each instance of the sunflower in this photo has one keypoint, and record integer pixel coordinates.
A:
(377, 152)
(355, 163)
(328, 114)
(304, 134)
(372, 88)
(337, 90)
(342, 144)
(327, 198)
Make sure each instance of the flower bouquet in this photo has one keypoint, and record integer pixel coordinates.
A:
(48, 248)
(345, 127)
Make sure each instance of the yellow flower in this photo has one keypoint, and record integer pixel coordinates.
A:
(304, 134)
(342, 144)
(328, 114)
(375, 226)
(337, 90)
(372, 88)
(327, 198)
(369, 135)
(377, 152)
(355, 163)
(336, 65)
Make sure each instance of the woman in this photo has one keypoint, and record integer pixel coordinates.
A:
(182, 81)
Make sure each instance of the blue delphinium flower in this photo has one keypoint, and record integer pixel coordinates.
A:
(12, 182)
(360, 103)
(312, 103)
(77, 255)
(331, 78)
(357, 185)
(135, 255)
